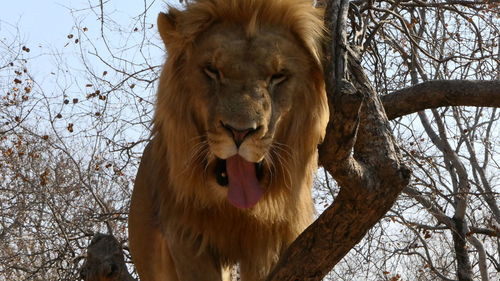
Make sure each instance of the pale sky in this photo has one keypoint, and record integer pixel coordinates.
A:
(39, 22)
(44, 25)
(49, 21)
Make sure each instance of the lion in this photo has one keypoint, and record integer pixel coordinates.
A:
(240, 110)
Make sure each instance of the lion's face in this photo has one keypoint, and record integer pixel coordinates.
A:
(249, 86)
(251, 95)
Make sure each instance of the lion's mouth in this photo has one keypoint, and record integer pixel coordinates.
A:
(242, 178)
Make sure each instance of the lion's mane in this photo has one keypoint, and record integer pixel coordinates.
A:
(179, 148)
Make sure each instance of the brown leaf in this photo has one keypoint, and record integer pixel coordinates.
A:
(8, 152)
(396, 277)
(44, 178)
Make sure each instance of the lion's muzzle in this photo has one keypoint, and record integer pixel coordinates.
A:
(238, 134)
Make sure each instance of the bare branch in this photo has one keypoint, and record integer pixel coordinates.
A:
(433, 94)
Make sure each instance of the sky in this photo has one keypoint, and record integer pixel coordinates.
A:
(44, 25)
(39, 22)
(49, 22)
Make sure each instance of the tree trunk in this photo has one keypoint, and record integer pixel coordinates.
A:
(464, 268)
(360, 153)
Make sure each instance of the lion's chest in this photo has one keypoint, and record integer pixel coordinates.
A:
(232, 234)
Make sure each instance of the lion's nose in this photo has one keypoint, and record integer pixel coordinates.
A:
(239, 134)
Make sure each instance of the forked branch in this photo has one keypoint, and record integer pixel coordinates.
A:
(360, 153)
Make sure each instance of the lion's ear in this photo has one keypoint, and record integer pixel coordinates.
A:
(167, 26)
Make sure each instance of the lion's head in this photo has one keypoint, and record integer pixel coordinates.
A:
(241, 104)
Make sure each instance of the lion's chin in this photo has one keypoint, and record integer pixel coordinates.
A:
(242, 179)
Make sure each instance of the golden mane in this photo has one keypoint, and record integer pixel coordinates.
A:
(298, 16)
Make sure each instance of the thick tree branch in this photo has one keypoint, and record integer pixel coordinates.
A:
(433, 94)
(483, 267)
(360, 153)
(485, 231)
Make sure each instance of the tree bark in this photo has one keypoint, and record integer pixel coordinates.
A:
(483, 266)
(464, 270)
(433, 94)
(360, 153)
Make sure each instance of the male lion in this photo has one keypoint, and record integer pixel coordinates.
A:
(240, 111)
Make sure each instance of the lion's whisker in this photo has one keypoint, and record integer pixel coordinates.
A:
(198, 152)
(197, 138)
(283, 164)
(271, 167)
(283, 148)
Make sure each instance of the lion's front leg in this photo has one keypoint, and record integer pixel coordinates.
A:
(148, 245)
(193, 264)
(257, 269)
(248, 274)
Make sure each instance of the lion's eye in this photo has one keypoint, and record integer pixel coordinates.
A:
(212, 72)
(277, 78)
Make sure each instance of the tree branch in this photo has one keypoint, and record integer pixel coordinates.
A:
(483, 267)
(360, 153)
(433, 94)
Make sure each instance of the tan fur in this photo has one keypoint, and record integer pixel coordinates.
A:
(181, 225)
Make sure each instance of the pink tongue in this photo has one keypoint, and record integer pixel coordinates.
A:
(244, 188)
